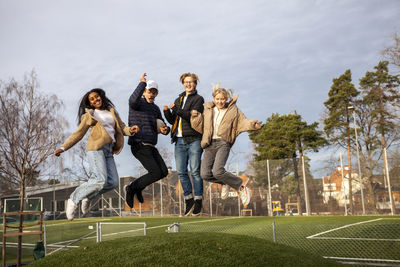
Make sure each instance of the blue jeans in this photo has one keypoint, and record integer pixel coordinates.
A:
(184, 154)
(104, 175)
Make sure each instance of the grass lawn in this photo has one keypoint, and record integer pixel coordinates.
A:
(228, 240)
(185, 249)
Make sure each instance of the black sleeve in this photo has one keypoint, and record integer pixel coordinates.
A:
(134, 99)
(197, 104)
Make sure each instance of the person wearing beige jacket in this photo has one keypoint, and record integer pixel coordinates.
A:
(96, 112)
(220, 124)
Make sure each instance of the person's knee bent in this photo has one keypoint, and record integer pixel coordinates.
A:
(206, 175)
(218, 173)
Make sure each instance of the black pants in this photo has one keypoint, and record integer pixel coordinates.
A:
(151, 161)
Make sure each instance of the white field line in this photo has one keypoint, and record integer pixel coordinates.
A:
(357, 238)
(33, 245)
(342, 227)
(76, 221)
(360, 259)
(154, 227)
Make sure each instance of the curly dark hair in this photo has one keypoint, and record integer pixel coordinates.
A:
(106, 103)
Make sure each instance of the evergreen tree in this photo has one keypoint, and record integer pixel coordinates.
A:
(337, 124)
(286, 137)
(380, 93)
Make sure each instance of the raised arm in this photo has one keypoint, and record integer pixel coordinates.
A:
(135, 97)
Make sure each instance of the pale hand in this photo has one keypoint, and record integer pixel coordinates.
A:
(171, 106)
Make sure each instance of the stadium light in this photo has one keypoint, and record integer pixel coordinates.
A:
(351, 108)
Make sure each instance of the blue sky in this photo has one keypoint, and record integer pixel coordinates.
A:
(279, 56)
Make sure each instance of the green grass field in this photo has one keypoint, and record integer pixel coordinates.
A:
(366, 237)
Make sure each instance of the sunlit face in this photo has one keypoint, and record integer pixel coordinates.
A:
(150, 94)
(189, 85)
(220, 100)
(95, 100)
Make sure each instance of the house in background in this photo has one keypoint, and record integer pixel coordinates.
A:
(336, 187)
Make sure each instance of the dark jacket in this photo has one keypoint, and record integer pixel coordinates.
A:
(144, 115)
(193, 102)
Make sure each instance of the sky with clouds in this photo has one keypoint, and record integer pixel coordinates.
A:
(278, 56)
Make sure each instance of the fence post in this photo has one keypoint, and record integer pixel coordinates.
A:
(274, 232)
(270, 208)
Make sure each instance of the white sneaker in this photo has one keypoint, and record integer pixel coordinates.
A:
(85, 206)
(244, 195)
(225, 191)
(71, 207)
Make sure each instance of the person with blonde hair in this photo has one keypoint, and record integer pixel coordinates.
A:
(220, 124)
(187, 142)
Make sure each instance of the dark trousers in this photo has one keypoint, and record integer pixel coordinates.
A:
(151, 161)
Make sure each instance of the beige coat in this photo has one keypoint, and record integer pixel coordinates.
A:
(233, 123)
(98, 136)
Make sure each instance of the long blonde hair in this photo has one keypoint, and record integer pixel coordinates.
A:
(219, 90)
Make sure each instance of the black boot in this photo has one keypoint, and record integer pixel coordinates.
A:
(189, 203)
(198, 204)
(137, 191)
(129, 196)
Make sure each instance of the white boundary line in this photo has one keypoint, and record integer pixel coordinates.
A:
(357, 238)
(342, 227)
(155, 227)
(360, 259)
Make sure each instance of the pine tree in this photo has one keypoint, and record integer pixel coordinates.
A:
(337, 125)
(286, 137)
(380, 93)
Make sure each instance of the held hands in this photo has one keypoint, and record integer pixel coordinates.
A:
(164, 130)
(134, 129)
(194, 113)
(165, 107)
(58, 152)
(143, 77)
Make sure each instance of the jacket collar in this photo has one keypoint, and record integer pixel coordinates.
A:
(184, 93)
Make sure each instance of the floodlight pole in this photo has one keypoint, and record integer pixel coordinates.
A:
(344, 189)
(392, 207)
(305, 188)
(358, 160)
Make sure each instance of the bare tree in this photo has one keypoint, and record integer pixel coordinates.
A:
(31, 125)
(392, 53)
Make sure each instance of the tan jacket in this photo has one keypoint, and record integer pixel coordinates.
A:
(98, 136)
(233, 123)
